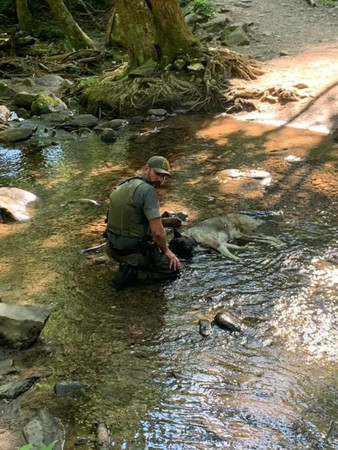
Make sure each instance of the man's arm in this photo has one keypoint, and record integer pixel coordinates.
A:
(158, 233)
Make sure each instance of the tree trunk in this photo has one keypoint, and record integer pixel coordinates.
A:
(76, 36)
(25, 18)
(154, 29)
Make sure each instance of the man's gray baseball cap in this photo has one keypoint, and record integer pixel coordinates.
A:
(159, 164)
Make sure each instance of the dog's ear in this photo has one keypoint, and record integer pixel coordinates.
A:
(177, 234)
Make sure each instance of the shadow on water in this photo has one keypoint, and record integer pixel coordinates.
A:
(154, 379)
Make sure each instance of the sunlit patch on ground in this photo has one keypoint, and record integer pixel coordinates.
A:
(54, 241)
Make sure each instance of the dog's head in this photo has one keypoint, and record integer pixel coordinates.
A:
(181, 245)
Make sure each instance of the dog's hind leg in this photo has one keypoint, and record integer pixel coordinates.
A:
(214, 243)
(239, 247)
(264, 239)
(223, 248)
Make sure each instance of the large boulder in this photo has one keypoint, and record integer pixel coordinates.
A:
(21, 325)
(13, 203)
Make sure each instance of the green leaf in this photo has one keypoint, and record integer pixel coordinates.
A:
(48, 447)
(26, 447)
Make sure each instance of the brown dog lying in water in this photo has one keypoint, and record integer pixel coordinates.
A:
(218, 232)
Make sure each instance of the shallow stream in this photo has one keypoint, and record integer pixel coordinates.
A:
(155, 381)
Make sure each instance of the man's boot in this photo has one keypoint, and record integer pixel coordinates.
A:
(125, 277)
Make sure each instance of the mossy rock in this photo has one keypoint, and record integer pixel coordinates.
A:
(44, 104)
(5, 91)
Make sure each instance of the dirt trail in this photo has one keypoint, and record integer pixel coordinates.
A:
(299, 45)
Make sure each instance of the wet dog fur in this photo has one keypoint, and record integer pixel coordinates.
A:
(221, 233)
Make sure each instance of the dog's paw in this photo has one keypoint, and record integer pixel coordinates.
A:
(236, 258)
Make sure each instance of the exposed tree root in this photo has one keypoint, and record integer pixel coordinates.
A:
(198, 85)
(237, 97)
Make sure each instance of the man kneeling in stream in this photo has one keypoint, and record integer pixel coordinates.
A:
(135, 234)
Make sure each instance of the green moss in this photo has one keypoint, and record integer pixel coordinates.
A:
(42, 104)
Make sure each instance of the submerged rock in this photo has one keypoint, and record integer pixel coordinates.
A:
(21, 325)
(44, 429)
(15, 134)
(18, 387)
(102, 437)
(108, 135)
(68, 387)
(205, 327)
(7, 367)
(226, 320)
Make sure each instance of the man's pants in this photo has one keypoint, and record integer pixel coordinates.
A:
(153, 266)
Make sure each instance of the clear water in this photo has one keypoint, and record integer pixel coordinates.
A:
(155, 381)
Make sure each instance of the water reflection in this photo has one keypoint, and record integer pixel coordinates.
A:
(25, 165)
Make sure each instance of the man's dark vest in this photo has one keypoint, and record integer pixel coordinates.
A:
(125, 218)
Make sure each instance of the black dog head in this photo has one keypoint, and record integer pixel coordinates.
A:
(182, 246)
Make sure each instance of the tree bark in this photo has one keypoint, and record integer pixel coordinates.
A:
(154, 29)
(77, 38)
(24, 15)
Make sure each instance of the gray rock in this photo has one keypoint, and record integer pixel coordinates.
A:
(68, 387)
(216, 24)
(85, 121)
(22, 113)
(108, 135)
(10, 411)
(136, 120)
(18, 387)
(7, 367)
(115, 124)
(6, 92)
(226, 320)
(52, 82)
(5, 113)
(56, 118)
(102, 437)
(44, 429)
(157, 112)
(13, 203)
(21, 325)
(236, 37)
(205, 327)
(44, 104)
(24, 99)
(15, 134)
(192, 19)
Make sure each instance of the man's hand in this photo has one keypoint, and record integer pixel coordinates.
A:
(158, 233)
(174, 263)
